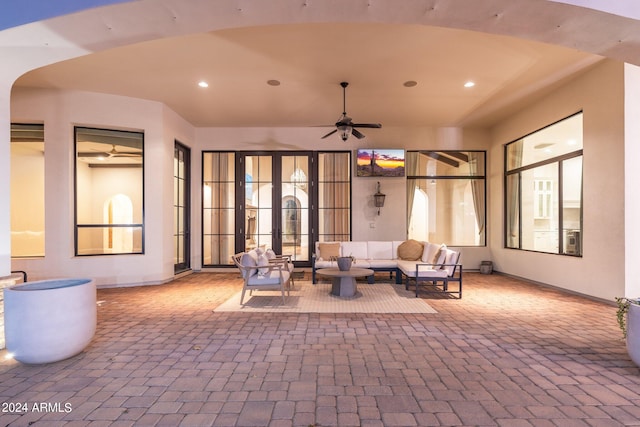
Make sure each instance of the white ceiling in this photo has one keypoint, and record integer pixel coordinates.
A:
(310, 60)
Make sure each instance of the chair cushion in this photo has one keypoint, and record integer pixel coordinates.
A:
(327, 250)
(410, 250)
(270, 253)
(271, 279)
(358, 250)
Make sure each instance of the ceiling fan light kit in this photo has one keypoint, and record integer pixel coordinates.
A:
(344, 124)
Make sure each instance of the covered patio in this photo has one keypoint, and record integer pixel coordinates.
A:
(509, 353)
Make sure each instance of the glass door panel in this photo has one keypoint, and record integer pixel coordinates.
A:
(258, 202)
(294, 207)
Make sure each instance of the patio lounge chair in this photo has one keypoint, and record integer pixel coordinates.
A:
(261, 275)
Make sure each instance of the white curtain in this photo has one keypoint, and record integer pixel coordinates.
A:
(412, 184)
(477, 191)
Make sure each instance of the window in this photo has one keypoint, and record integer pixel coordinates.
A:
(109, 192)
(543, 182)
(27, 190)
(334, 196)
(446, 197)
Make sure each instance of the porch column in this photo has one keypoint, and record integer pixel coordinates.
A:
(5, 185)
(631, 180)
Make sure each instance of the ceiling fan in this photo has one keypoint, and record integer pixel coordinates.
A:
(116, 153)
(344, 124)
(109, 154)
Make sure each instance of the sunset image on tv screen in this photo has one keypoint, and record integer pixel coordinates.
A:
(372, 162)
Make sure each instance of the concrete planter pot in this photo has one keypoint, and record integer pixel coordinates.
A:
(344, 263)
(49, 320)
(633, 333)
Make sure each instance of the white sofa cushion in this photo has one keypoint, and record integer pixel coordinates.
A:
(452, 258)
(409, 269)
(380, 250)
(380, 263)
(430, 250)
(361, 263)
(394, 248)
(358, 250)
(325, 263)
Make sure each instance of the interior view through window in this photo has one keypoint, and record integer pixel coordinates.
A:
(27, 190)
(446, 197)
(544, 189)
(109, 191)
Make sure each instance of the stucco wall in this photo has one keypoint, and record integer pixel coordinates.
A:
(599, 93)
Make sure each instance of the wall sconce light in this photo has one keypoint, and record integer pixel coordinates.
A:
(378, 198)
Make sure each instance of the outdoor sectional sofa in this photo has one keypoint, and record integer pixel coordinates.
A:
(433, 264)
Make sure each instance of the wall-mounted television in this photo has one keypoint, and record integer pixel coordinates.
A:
(379, 162)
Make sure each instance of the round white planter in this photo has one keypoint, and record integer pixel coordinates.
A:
(49, 320)
(633, 333)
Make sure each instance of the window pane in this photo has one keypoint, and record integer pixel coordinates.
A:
(109, 240)
(513, 211)
(448, 163)
(218, 208)
(109, 189)
(447, 211)
(553, 141)
(537, 198)
(540, 210)
(572, 205)
(446, 197)
(27, 190)
(334, 196)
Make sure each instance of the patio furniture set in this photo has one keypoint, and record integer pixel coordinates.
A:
(429, 267)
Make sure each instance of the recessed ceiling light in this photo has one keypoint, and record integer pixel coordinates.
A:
(273, 82)
(469, 84)
(203, 84)
(410, 83)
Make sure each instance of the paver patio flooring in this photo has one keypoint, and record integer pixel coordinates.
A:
(509, 353)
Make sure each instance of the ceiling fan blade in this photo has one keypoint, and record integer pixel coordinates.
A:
(367, 125)
(357, 133)
(330, 133)
(126, 154)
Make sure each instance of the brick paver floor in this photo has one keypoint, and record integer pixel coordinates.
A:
(508, 354)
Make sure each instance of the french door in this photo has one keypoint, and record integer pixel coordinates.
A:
(275, 208)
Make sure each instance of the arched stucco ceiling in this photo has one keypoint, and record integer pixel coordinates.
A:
(151, 48)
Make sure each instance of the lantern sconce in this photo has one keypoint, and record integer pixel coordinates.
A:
(378, 198)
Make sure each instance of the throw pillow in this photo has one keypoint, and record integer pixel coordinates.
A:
(440, 257)
(248, 261)
(263, 261)
(270, 254)
(410, 250)
(328, 250)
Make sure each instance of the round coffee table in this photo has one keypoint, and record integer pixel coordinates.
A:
(344, 282)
